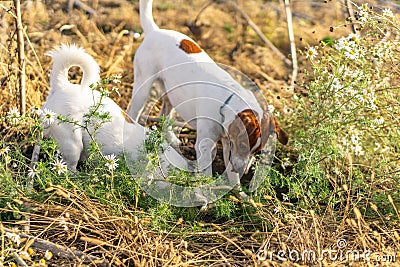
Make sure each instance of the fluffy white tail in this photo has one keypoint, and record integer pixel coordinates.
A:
(67, 56)
(146, 16)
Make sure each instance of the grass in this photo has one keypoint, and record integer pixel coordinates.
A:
(332, 197)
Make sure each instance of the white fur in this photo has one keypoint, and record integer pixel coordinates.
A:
(207, 88)
(74, 100)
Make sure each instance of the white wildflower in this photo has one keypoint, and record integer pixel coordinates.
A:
(111, 162)
(48, 117)
(116, 78)
(271, 108)
(32, 173)
(358, 150)
(13, 116)
(311, 53)
(287, 110)
(352, 53)
(278, 209)
(364, 7)
(59, 166)
(24, 255)
(15, 238)
(379, 121)
(354, 38)
(387, 13)
(63, 223)
(48, 255)
(285, 197)
(4, 150)
(363, 16)
(285, 163)
(35, 110)
(385, 149)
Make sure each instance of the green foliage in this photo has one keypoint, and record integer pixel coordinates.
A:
(346, 131)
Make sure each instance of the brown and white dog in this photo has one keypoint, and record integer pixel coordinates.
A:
(119, 134)
(204, 95)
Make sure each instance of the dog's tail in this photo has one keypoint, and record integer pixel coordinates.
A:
(67, 56)
(146, 16)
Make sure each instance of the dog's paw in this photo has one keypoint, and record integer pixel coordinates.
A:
(173, 139)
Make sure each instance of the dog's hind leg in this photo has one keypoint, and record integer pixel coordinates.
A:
(71, 146)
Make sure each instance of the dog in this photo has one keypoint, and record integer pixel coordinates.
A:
(119, 134)
(204, 95)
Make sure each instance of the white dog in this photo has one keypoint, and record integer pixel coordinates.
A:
(203, 94)
(120, 134)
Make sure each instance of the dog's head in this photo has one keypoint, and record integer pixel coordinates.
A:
(248, 135)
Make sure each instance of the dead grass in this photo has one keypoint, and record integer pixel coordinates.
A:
(127, 239)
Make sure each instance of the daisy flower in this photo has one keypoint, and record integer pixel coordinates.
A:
(111, 162)
(387, 13)
(116, 78)
(311, 53)
(35, 110)
(15, 238)
(48, 255)
(278, 209)
(354, 37)
(59, 166)
(13, 115)
(32, 173)
(363, 16)
(4, 150)
(271, 108)
(48, 117)
(358, 150)
(364, 7)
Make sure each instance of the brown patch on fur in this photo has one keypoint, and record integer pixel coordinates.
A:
(252, 125)
(190, 47)
(126, 117)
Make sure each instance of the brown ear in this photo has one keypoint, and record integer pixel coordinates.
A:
(283, 138)
(271, 125)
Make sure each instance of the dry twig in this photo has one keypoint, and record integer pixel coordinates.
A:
(83, 6)
(21, 58)
(288, 12)
(59, 251)
(350, 12)
(260, 34)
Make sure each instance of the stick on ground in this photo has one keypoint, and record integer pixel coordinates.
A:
(288, 12)
(21, 58)
(260, 34)
(62, 251)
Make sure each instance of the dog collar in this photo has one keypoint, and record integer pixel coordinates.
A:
(225, 103)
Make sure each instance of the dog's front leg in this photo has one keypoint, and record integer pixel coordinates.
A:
(207, 136)
(232, 177)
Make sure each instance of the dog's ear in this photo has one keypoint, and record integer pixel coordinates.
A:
(281, 134)
(269, 125)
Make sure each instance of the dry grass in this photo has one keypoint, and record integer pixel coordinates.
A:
(127, 239)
